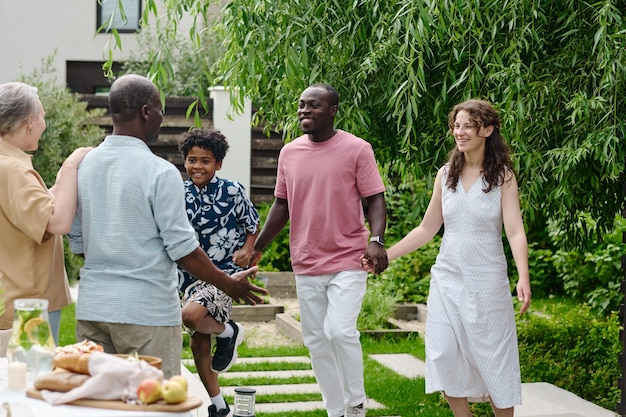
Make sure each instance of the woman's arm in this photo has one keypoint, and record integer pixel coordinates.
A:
(516, 235)
(428, 228)
(65, 191)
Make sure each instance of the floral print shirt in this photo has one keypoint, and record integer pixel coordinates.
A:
(222, 215)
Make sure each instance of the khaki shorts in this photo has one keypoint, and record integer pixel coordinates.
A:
(165, 342)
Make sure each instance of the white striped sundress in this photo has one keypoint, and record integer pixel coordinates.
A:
(471, 340)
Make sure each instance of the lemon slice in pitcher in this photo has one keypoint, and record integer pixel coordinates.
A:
(32, 328)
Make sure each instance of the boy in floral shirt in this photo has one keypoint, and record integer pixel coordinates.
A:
(226, 223)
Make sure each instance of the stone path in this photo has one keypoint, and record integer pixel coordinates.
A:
(539, 399)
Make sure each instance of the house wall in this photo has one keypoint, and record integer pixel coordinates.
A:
(32, 30)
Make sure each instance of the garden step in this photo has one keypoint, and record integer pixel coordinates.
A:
(277, 389)
(279, 284)
(304, 406)
(267, 374)
(259, 312)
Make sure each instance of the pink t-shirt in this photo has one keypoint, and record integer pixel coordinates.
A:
(323, 184)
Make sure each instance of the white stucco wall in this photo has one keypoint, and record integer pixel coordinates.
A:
(236, 128)
(31, 30)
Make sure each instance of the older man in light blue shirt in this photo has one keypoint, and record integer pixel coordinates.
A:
(132, 229)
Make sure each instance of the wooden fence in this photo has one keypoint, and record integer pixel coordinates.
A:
(264, 149)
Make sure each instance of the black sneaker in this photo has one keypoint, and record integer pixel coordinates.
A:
(221, 413)
(225, 353)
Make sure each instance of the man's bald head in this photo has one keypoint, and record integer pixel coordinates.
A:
(128, 94)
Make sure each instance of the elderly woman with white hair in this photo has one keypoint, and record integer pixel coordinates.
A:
(33, 218)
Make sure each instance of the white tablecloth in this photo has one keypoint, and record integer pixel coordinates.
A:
(23, 406)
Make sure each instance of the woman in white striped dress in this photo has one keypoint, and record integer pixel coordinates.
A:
(471, 340)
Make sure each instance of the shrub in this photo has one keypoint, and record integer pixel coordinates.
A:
(594, 275)
(575, 350)
(408, 276)
(378, 305)
(276, 255)
(544, 279)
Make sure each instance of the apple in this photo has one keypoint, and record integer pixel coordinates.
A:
(149, 391)
(182, 380)
(173, 391)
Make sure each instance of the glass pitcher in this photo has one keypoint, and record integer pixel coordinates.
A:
(31, 339)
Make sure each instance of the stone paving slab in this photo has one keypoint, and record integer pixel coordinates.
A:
(304, 406)
(286, 359)
(402, 363)
(278, 359)
(277, 389)
(267, 374)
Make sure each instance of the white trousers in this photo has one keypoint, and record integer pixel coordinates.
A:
(329, 308)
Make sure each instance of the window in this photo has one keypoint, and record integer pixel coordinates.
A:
(108, 8)
(87, 77)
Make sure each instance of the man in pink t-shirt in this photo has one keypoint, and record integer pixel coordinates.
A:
(321, 179)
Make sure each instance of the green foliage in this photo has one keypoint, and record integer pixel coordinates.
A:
(554, 69)
(377, 305)
(409, 275)
(405, 207)
(68, 122)
(67, 329)
(185, 61)
(594, 275)
(73, 263)
(544, 280)
(276, 255)
(553, 348)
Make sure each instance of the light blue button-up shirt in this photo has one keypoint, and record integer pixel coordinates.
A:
(131, 226)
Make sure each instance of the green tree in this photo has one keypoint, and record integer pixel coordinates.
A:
(554, 69)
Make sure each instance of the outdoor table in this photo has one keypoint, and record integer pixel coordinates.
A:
(24, 406)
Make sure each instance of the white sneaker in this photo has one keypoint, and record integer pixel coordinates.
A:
(358, 411)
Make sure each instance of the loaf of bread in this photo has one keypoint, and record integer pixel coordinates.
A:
(86, 346)
(74, 362)
(61, 381)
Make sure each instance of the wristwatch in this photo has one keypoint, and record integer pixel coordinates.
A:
(378, 239)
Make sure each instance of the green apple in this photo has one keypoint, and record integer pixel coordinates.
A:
(182, 380)
(173, 391)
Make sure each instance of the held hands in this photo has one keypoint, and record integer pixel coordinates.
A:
(243, 290)
(375, 258)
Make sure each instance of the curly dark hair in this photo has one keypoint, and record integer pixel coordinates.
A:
(209, 139)
(497, 160)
